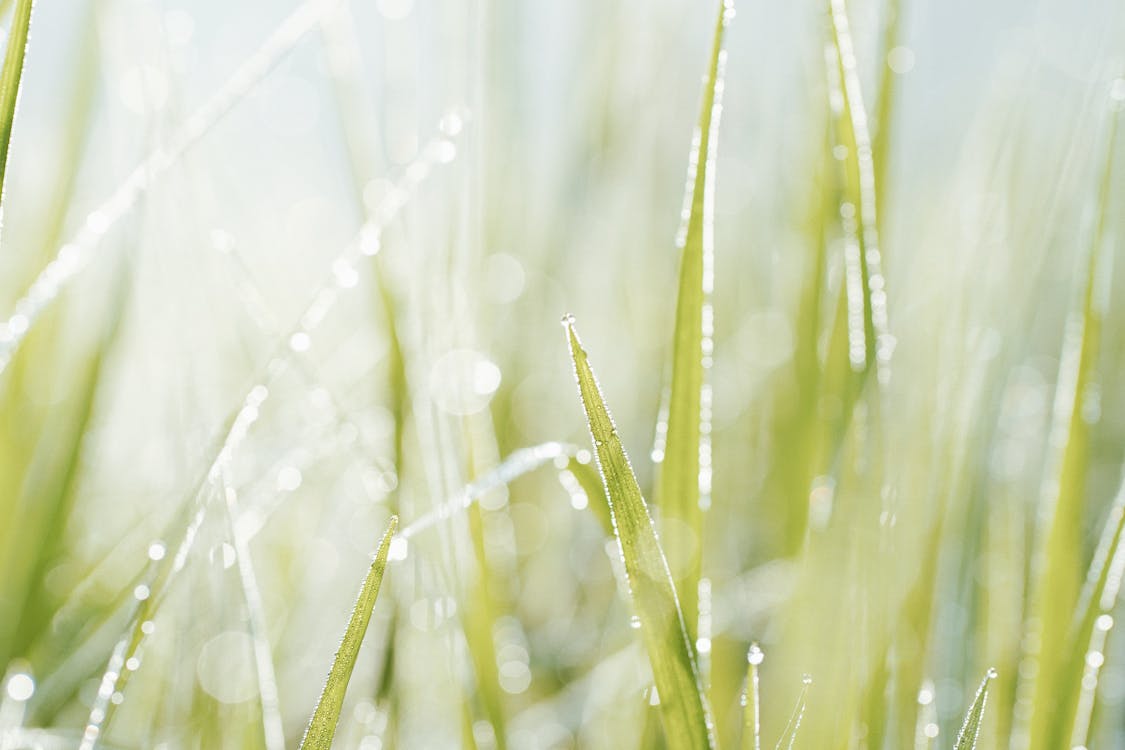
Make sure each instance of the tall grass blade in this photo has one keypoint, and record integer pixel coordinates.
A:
(683, 483)
(683, 707)
(10, 76)
(1058, 562)
(859, 340)
(1091, 629)
(789, 736)
(970, 729)
(751, 703)
(322, 725)
(869, 340)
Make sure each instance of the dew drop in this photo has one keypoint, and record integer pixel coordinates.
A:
(634, 622)
(445, 152)
(567, 320)
(1117, 90)
(399, 548)
(288, 478)
(991, 674)
(21, 687)
(806, 679)
(755, 655)
(451, 124)
(300, 342)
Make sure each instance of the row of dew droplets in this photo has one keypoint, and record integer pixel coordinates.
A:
(73, 256)
(853, 272)
(660, 432)
(789, 736)
(517, 464)
(439, 150)
(859, 221)
(126, 655)
(1110, 557)
(926, 726)
(707, 343)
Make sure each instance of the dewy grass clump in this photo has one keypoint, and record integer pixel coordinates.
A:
(270, 282)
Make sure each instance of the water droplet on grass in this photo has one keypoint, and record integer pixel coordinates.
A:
(21, 687)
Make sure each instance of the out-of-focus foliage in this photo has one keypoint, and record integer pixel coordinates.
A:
(271, 273)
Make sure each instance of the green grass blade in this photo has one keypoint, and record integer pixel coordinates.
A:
(683, 707)
(481, 610)
(10, 76)
(1058, 562)
(885, 102)
(1091, 629)
(322, 725)
(859, 339)
(751, 704)
(970, 729)
(789, 736)
(678, 492)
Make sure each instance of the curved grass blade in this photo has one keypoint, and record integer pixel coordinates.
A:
(970, 729)
(1091, 629)
(322, 725)
(789, 736)
(751, 704)
(10, 76)
(869, 339)
(859, 340)
(1058, 563)
(679, 493)
(683, 707)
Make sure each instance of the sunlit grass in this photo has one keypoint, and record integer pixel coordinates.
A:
(276, 278)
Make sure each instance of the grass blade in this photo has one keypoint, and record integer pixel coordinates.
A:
(885, 101)
(970, 729)
(1091, 629)
(1058, 563)
(683, 707)
(10, 76)
(751, 704)
(322, 725)
(789, 736)
(678, 494)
